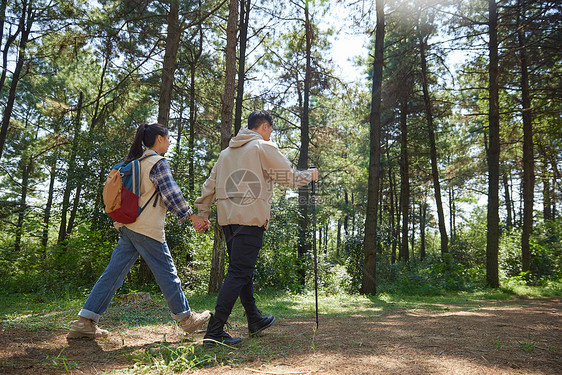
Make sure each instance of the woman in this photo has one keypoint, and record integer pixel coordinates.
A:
(146, 237)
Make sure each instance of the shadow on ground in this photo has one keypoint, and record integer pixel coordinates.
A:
(516, 337)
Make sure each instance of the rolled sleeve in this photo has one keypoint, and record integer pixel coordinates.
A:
(279, 168)
(161, 177)
(204, 202)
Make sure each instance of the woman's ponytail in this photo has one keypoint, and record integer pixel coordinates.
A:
(146, 134)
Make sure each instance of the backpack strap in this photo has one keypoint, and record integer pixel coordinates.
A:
(148, 201)
(155, 191)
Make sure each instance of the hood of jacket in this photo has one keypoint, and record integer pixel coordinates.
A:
(244, 136)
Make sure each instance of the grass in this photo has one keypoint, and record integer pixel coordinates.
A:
(52, 312)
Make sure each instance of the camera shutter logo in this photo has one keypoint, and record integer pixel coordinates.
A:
(243, 187)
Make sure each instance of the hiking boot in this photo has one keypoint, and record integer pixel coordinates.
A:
(256, 325)
(87, 330)
(194, 321)
(216, 334)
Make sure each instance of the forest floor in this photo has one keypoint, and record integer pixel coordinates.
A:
(518, 336)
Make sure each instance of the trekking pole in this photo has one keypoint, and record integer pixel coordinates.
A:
(313, 201)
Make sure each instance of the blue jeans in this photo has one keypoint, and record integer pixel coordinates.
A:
(159, 260)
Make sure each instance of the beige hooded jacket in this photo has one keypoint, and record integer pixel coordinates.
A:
(242, 181)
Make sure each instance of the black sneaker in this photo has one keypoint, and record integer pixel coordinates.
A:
(255, 327)
(210, 341)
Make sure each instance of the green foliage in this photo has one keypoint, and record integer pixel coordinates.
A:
(186, 356)
(191, 253)
(77, 263)
(527, 345)
(546, 253)
(75, 51)
(433, 276)
(353, 248)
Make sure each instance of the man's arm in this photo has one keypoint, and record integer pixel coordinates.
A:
(204, 202)
(280, 170)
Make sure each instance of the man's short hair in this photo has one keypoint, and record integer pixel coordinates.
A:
(257, 118)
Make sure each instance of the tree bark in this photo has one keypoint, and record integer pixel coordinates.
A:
(26, 171)
(546, 191)
(493, 234)
(219, 245)
(423, 214)
(217, 262)
(25, 27)
(230, 75)
(338, 240)
(71, 174)
(244, 19)
(433, 148)
(508, 205)
(393, 231)
(528, 152)
(403, 252)
(369, 281)
(193, 108)
(48, 206)
(9, 41)
(169, 63)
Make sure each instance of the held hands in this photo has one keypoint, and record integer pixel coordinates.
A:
(314, 172)
(200, 223)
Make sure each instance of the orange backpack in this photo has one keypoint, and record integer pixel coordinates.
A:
(121, 192)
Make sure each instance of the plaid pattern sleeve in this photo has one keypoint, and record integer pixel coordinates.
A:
(161, 177)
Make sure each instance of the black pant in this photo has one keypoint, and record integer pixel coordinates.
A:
(243, 245)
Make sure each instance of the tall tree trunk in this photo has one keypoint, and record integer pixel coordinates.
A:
(179, 138)
(392, 188)
(508, 205)
(412, 210)
(433, 147)
(169, 63)
(528, 152)
(218, 259)
(84, 169)
(193, 108)
(230, 75)
(244, 19)
(9, 41)
(48, 206)
(27, 168)
(74, 210)
(25, 27)
(353, 227)
(493, 219)
(219, 245)
(191, 139)
(346, 217)
(546, 191)
(423, 214)
(304, 243)
(338, 240)
(326, 238)
(71, 174)
(403, 253)
(369, 282)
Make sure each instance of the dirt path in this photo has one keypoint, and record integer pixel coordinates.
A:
(516, 337)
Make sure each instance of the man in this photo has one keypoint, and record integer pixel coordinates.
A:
(242, 184)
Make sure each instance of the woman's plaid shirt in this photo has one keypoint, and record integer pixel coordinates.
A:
(161, 177)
